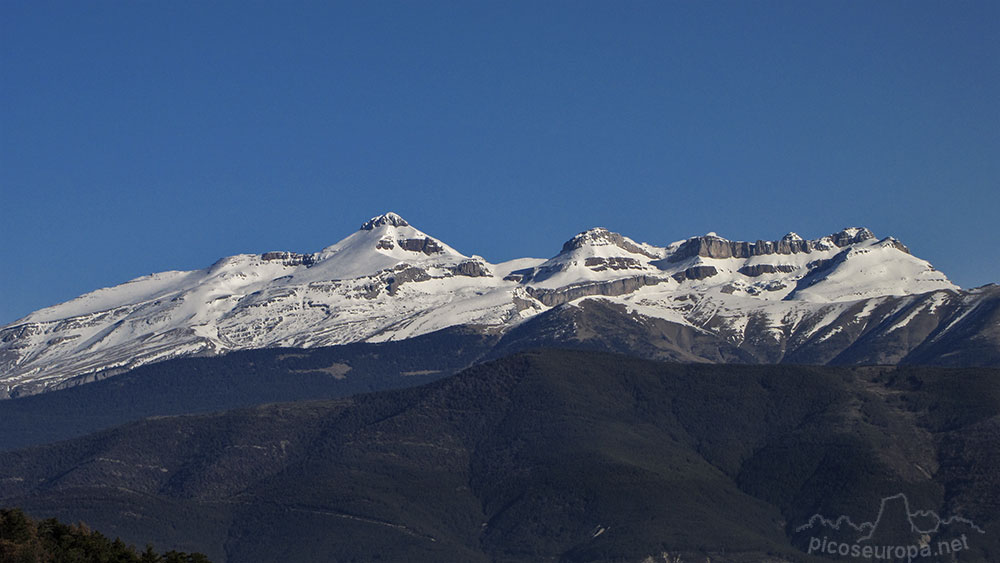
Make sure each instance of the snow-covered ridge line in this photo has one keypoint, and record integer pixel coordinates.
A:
(389, 280)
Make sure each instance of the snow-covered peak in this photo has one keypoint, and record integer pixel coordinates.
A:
(383, 242)
(599, 236)
(390, 235)
(389, 218)
(869, 268)
(594, 255)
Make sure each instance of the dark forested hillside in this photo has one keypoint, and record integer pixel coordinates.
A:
(239, 379)
(548, 455)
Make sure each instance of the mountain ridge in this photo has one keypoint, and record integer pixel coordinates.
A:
(389, 281)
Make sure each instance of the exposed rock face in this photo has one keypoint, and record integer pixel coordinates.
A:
(851, 236)
(696, 273)
(289, 258)
(472, 269)
(823, 264)
(407, 274)
(426, 245)
(761, 269)
(599, 264)
(385, 219)
(553, 297)
(602, 236)
(20, 332)
(717, 247)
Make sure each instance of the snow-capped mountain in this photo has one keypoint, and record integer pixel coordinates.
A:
(774, 300)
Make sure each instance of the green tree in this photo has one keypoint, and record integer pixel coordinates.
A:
(150, 556)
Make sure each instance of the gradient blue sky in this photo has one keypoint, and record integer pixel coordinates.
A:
(138, 137)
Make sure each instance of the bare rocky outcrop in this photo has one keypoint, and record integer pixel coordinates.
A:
(289, 258)
(761, 269)
(715, 247)
(851, 236)
(391, 280)
(471, 268)
(696, 273)
(711, 246)
(599, 264)
(19, 332)
(425, 245)
(407, 274)
(554, 297)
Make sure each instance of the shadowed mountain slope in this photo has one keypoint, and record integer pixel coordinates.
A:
(542, 456)
(240, 379)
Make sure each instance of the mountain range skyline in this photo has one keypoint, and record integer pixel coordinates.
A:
(146, 137)
(658, 242)
(848, 297)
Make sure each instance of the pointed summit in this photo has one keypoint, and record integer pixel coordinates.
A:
(389, 218)
(382, 242)
(599, 236)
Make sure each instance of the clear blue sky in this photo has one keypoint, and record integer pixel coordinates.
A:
(146, 136)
